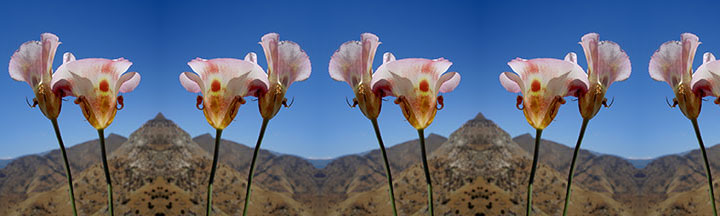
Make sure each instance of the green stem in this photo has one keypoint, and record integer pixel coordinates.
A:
(707, 165)
(572, 164)
(528, 207)
(387, 164)
(67, 165)
(421, 135)
(252, 163)
(208, 206)
(107, 171)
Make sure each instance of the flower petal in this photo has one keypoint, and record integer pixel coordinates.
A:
(448, 82)
(287, 62)
(589, 43)
(352, 62)
(388, 57)
(613, 63)
(269, 43)
(402, 76)
(191, 82)
(26, 63)
(293, 63)
(96, 70)
(32, 62)
(706, 80)
(511, 82)
(251, 57)
(346, 63)
(567, 78)
(252, 77)
(68, 57)
(370, 42)
(50, 43)
(666, 63)
(571, 57)
(128, 82)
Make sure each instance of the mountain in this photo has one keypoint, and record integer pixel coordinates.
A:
(39, 173)
(478, 170)
(4, 162)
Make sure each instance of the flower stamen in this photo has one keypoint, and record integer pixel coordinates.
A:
(519, 103)
(439, 102)
(604, 102)
(120, 102)
(674, 104)
(284, 102)
(199, 102)
(35, 102)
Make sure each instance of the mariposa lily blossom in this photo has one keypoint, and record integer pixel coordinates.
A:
(96, 82)
(223, 83)
(706, 80)
(416, 83)
(607, 63)
(32, 63)
(352, 63)
(672, 63)
(287, 63)
(543, 82)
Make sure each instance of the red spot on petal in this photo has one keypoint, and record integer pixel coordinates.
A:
(215, 86)
(535, 86)
(104, 86)
(424, 86)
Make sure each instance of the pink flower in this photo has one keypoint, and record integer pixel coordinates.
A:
(672, 63)
(224, 82)
(352, 63)
(706, 80)
(287, 63)
(543, 82)
(416, 83)
(607, 63)
(32, 63)
(96, 83)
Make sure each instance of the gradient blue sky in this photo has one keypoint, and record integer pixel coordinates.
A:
(160, 37)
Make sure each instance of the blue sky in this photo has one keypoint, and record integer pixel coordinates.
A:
(160, 37)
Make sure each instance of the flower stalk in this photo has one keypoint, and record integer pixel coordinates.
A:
(387, 164)
(208, 205)
(421, 136)
(252, 163)
(572, 164)
(67, 165)
(707, 165)
(101, 136)
(528, 207)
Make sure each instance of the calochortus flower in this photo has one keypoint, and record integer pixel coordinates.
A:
(287, 63)
(416, 83)
(32, 63)
(672, 63)
(223, 83)
(543, 82)
(607, 63)
(352, 63)
(706, 80)
(96, 82)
